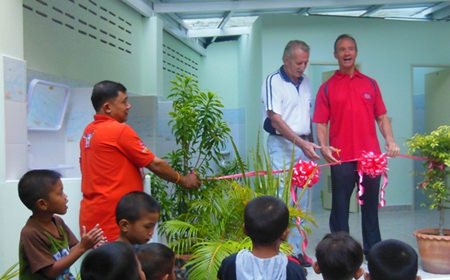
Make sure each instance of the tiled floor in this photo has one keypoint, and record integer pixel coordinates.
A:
(396, 224)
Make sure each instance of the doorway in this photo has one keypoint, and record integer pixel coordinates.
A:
(431, 99)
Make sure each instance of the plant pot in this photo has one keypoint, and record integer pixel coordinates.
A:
(434, 250)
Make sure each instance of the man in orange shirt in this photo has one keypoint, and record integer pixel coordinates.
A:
(112, 155)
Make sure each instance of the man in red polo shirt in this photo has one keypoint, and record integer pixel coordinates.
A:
(347, 107)
(112, 155)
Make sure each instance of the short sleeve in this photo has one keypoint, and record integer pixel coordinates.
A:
(380, 108)
(322, 106)
(271, 94)
(35, 248)
(134, 148)
(227, 270)
(295, 271)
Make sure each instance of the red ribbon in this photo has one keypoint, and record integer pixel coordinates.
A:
(372, 165)
(305, 173)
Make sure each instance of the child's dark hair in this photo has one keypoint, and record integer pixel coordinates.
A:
(112, 261)
(265, 219)
(133, 204)
(339, 256)
(392, 260)
(35, 185)
(156, 260)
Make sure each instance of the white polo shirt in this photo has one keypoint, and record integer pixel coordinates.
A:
(293, 104)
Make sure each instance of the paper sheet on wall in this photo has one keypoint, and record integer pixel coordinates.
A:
(14, 75)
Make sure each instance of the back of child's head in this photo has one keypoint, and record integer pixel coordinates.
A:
(339, 256)
(392, 260)
(265, 219)
(132, 205)
(112, 261)
(35, 185)
(157, 260)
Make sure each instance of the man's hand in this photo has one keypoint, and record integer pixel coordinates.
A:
(190, 181)
(327, 152)
(392, 149)
(308, 149)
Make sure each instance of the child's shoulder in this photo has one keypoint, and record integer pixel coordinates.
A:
(33, 226)
(294, 271)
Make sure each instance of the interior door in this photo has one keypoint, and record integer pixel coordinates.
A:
(437, 99)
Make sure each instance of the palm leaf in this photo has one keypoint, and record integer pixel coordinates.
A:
(208, 256)
(11, 272)
(180, 235)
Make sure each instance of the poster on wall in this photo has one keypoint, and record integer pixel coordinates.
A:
(14, 75)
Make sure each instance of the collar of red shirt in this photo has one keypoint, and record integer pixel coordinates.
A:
(342, 75)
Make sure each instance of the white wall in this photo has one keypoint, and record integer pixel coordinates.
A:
(57, 51)
(11, 210)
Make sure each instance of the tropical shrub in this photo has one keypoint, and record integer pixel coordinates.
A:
(435, 147)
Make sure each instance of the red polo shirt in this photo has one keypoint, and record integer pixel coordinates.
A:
(350, 105)
(111, 157)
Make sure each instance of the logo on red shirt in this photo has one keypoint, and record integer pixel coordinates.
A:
(87, 139)
(367, 95)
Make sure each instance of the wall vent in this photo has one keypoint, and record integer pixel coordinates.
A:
(176, 63)
(86, 18)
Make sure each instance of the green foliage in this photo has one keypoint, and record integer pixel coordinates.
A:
(435, 146)
(200, 133)
(11, 272)
(209, 221)
(198, 125)
(212, 228)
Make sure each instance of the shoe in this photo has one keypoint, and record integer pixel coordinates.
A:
(302, 260)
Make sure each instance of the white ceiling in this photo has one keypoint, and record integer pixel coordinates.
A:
(207, 21)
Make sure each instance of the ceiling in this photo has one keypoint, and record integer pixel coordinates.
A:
(205, 22)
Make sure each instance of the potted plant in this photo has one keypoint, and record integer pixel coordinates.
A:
(434, 243)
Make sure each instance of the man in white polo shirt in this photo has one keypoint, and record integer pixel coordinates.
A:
(286, 97)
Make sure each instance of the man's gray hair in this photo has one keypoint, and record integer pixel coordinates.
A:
(292, 45)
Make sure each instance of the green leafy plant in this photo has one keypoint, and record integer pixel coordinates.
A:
(212, 228)
(200, 133)
(434, 146)
(11, 272)
(197, 124)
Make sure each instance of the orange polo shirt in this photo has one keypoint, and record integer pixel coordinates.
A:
(111, 157)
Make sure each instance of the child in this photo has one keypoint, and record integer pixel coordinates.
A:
(137, 214)
(392, 260)
(266, 221)
(45, 240)
(339, 257)
(157, 261)
(113, 261)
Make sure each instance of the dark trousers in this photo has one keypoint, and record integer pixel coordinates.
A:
(344, 178)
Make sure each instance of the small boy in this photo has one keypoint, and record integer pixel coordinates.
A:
(266, 221)
(157, 261)
(113, 261)
(339, 257)
(392, 260)
(137, 214)
(45, 240)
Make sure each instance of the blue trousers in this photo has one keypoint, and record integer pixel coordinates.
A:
(344, 178)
